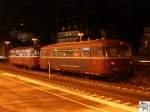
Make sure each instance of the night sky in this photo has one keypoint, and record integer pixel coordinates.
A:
(126, 18)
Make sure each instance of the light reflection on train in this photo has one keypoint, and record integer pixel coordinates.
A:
(96, 57)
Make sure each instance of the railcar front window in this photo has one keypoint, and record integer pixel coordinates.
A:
(46, 53)
(12, 53)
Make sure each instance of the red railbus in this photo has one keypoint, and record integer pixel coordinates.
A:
(25, 56)
(98, 57)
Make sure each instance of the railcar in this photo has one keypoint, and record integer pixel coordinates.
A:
(99, 57)
(3, 53)
(25, 56)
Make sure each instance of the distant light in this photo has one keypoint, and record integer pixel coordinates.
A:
(80, 34)
(21, 24)
(7, 42)
(112, 63)
(144, 61)
(121, 42)
(2, 57)
(55, 50)
(34, 39)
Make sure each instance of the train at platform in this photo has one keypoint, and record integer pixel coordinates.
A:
(25, 56)
(110, 58)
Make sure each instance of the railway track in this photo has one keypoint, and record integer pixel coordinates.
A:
(118, 93)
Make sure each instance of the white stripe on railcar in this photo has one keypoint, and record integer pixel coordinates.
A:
(23, 56)
(88, 57)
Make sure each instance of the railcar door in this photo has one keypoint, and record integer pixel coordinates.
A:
(96, 60)
(85, 60)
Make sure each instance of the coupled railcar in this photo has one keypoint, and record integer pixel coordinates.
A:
(25, 56)
(98, 57)
(3, 53)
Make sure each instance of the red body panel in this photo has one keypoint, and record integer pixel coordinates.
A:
(88, 66)
(31, 62)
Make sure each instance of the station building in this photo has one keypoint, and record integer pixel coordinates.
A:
(145, 42)
(68, 36)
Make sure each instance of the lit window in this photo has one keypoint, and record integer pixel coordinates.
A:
(146, 43)
(86, 52)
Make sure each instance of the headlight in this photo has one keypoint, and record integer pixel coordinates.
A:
(130, 62)
(112, 63)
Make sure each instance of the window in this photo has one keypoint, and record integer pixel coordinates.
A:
(24, 53)
(76, 52)
(67, 52)
(41, 53)
(12, 53)
(118, 51)
(125, 51)
(28, 53)
(94, 51)
(86, 52)
(36, 53)
(100, 52)
(18, 53)
(46, 53)
(146, 43)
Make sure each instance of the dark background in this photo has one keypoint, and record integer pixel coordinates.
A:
(123, 19)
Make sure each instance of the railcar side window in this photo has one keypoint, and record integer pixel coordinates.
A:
(97, 52)
(28, 53)
(62, 52)
(41, 53)
(125, 51)
(36, 53)
(94, 51)
(46, 53)
(67, 52)
(24, 53)
(100, 52)
(118, 51)
(86, 52)
(53, 53)
(113, 51)
(17, 53)
(76, 52)
(105, 51)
